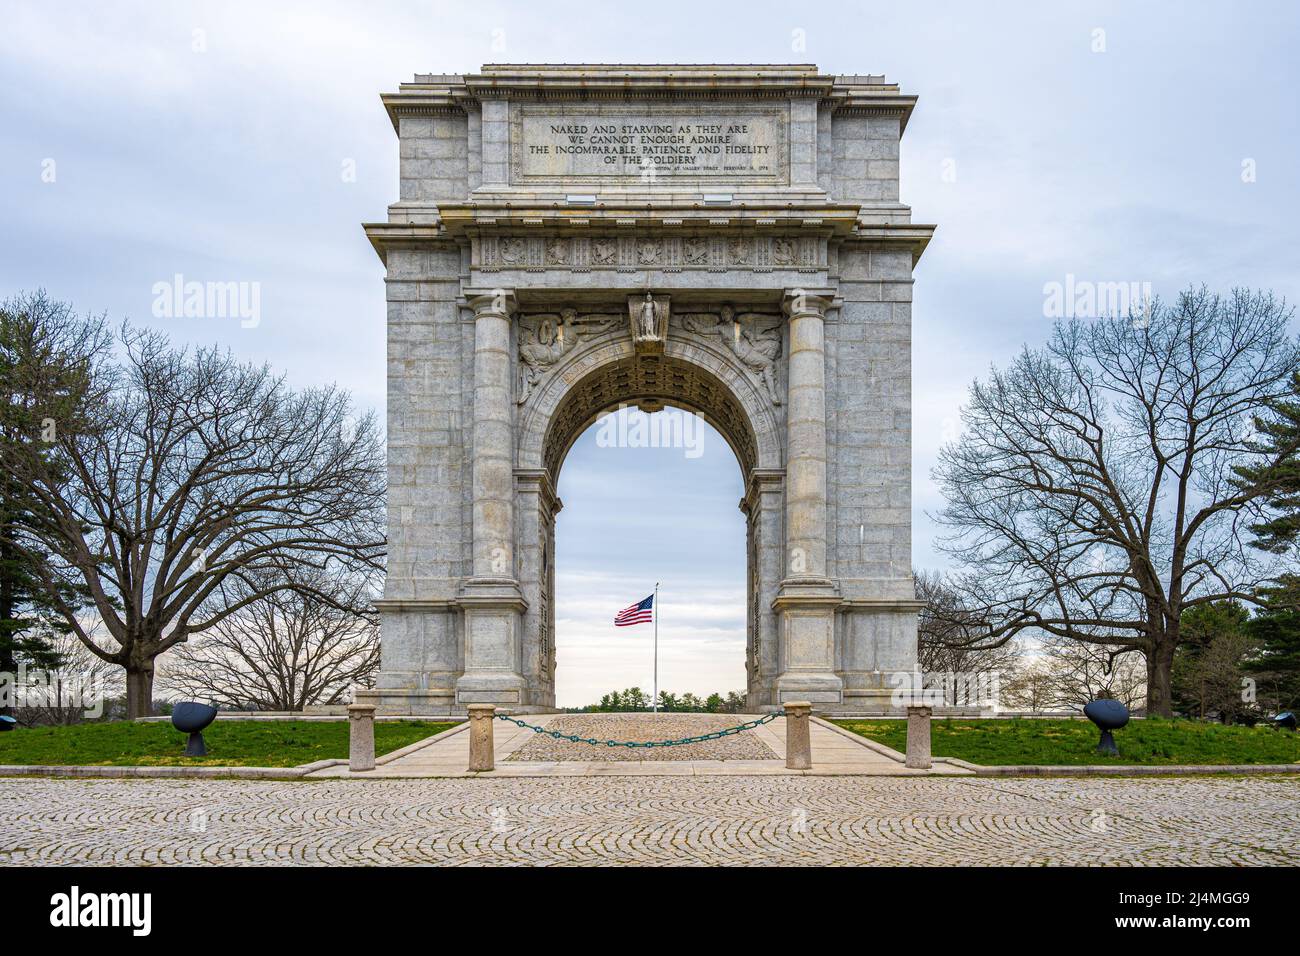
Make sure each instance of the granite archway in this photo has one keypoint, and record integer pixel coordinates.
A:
(750, 261)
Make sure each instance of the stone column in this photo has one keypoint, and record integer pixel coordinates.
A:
(536, 506)
(764, 505)
(361, 737)
(807, 598)
(805, 460)
(493, 467)
(481, 719)
(798, 743)
(918, 737)
(490, 598)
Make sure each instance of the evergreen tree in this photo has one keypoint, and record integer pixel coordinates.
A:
(1276, 628)
(1280, 472)
(1210, 664)
(44, 385)
(1276, 625)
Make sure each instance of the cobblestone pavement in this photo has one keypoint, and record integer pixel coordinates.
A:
(654, 820)
(742, 746)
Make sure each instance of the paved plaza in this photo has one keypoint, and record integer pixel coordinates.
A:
(521, 752)
(657, 820)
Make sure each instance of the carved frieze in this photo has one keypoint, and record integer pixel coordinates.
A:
(756, 253)
(604, 251)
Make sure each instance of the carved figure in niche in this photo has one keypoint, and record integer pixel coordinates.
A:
(648, 324)
(648, 320)
(545, 339)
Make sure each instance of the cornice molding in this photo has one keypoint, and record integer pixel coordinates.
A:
(431, 94)
(806, 217)
(469, 223)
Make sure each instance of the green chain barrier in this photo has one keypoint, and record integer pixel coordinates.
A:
(715, 735)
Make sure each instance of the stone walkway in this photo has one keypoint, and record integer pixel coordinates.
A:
(835, 751)
(660, 820)
(746, 745)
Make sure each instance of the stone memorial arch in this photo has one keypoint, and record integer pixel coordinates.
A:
(723, 239)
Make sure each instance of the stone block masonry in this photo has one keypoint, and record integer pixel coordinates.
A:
(759, 208)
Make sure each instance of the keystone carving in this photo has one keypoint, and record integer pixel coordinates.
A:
(649, 318)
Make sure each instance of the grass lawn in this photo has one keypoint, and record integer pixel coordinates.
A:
(232, 743)
(1073, 742)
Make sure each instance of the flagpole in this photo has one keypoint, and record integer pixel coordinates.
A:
(655, 700)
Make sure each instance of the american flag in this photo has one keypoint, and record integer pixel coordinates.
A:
(639, 613)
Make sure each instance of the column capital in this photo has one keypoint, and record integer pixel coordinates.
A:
(491, 302)
(797, 303)
(538, 481)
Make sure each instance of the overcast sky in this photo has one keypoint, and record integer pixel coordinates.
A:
(1110, 142)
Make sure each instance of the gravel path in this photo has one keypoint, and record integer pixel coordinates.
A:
(742, 746)
(697, 821)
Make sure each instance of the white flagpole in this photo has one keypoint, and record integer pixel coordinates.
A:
(655, 606)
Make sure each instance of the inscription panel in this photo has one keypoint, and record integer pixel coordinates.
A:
(650, 144)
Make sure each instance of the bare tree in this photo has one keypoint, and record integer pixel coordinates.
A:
(191, 471)
(1064, 675)
(1081, 672)
(286, 650)
(949, 644)
(1031, 687)
(1093, 495)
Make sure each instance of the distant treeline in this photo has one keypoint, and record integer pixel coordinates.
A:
(634, 699)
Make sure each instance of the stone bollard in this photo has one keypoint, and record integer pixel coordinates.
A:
(481, 719)
(361, 737)
(918, 737)
(798, 747)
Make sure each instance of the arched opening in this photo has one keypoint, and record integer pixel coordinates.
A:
(650, 383)
(707, 526)
(649, 497)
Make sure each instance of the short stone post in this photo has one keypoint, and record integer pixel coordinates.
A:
(361, 737)
(481, 719)
(918, 737)
(798, 747)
